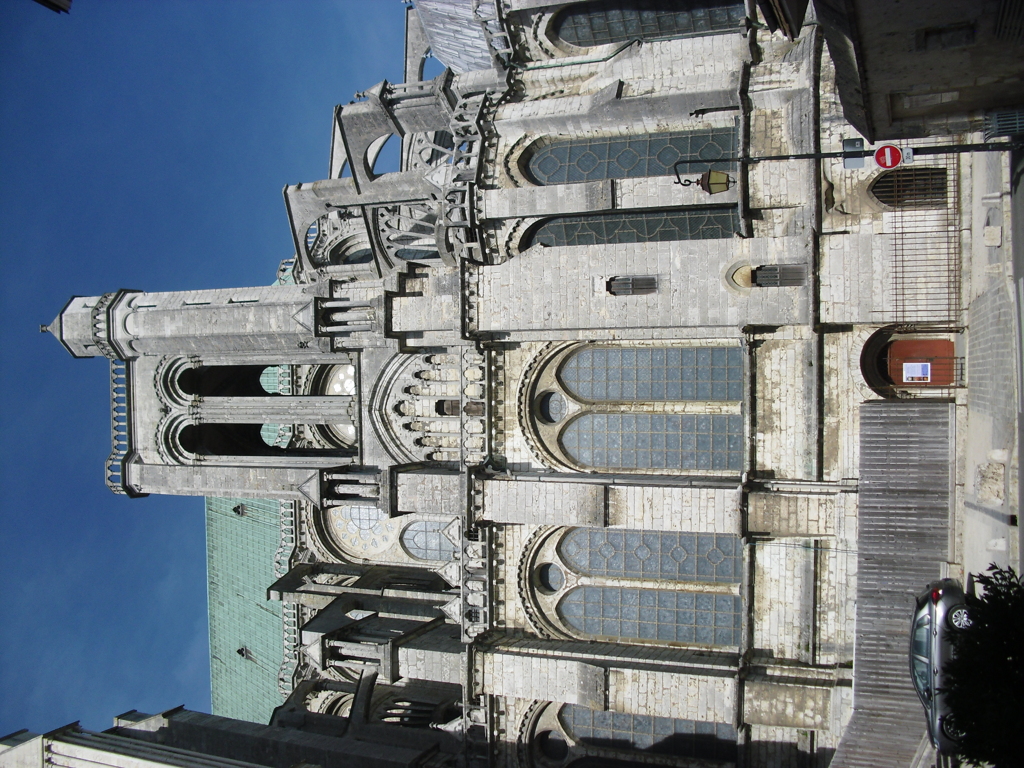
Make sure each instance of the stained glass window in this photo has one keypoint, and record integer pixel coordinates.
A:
(669, 373)
(568, 161)
(634, 227)
(277, 379)
(630, 613)
(612, 21)
(660, 735)
(715, 557)
(277, 435)
(424, 540)
(655, 441)
(361, 529)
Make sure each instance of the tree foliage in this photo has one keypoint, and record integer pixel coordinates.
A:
(985, 679)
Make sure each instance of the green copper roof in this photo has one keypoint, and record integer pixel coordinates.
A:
(240, 566)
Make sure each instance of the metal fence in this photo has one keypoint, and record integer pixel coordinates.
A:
(925, 227)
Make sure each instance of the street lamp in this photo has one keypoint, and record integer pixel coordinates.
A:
(711, 182)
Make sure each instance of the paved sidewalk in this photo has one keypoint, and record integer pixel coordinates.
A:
(991, 489)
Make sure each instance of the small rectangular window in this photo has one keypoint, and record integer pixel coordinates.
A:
(778, 275)
(634, 285)
(943, 38)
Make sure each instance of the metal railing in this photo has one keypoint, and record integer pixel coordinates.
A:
(120, 434)
(289, 611)
(926, 250)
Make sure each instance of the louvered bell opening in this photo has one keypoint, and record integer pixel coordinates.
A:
(778, 275)
(1010, 24)
(632, 286)
(1004, 122)
(912, 188)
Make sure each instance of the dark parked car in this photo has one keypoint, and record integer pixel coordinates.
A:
(940, 607)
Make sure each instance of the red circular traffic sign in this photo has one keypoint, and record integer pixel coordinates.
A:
(888, 156)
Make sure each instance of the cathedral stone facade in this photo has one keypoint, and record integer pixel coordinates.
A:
(564, 417)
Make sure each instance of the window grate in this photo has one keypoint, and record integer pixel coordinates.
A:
(779, 275)
(1010, 23)
(632, 286)
(911, 188)
(925, 239)
(1004, 122)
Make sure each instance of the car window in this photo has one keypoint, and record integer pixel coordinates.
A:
(920, 669)
(920, 641)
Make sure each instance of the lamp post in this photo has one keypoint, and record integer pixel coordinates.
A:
(711, 182)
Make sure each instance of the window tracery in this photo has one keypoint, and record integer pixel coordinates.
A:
(652, 554)
(612, 21)
(645, 409)
(617, 227)
(639, 587)
(591, 158)
(360, 529)
(425, 540)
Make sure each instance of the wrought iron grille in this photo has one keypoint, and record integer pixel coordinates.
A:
(1010, 22)
(926, 246)
(632, 285)
(911, 188)
(1005, 122)
(779, 275)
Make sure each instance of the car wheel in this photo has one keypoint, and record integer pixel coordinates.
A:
(960, 617)
(950, 729)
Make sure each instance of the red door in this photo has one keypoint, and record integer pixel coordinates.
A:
(922, 362)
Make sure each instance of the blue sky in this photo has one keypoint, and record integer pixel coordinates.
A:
(142, 145)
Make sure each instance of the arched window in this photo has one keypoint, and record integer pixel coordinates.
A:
(641, 586)
(277, 379)
(911, 187)
(658, 373)
(223, 381)
(655, 441)
(613, 21)
(568, 161)
(613, 408)
(658, 735)
(425, 540)
(360, 530)
(653, 554)
(350, 251)
(697, 223)
(227, 440)
(278, 435)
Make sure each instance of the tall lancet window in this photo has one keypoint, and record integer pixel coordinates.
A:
(650, 409)
(615, 227)
(583, 158)
(615, 21)
(633, 586)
